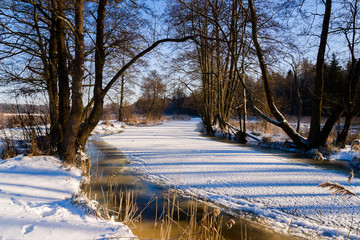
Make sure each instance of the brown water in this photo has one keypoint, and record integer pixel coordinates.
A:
(112, 172)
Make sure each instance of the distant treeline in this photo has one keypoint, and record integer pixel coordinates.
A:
(22, 108)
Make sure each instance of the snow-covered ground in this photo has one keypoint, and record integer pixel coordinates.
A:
(282, 190)
(35, 203)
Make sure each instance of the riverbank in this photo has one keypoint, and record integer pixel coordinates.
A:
(276, 186)
(36, 203)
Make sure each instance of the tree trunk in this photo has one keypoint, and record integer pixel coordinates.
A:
(52, 89)
(350, 96)
(96, 113)
(298, 99)
(341, 138)
(281, 121)
(315, 124)
(245, 111)
(48, 59)
(121, 105)
(64, 90)
(68, 147)
(326, 130)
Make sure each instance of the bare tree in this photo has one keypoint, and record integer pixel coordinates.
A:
(221, 45)
(317, 136)
(280, 119)
(60, 54)
(152, 100)
(348, 28)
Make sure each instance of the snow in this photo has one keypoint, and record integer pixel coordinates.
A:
(36, 203)
(345, 154)
(108, 127)
(273, 185)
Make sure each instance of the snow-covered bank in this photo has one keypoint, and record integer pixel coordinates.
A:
(35, 203)
(281, 189)
(108, 127)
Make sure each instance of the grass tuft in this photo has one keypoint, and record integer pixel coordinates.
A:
(8, 148)
(337, 188)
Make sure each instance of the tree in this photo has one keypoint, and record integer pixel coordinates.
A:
(280, 119)
(348, 28)
(317, 136)
(221, 44)
(60, 56)
(152, 100)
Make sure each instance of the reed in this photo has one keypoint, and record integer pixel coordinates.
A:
(337, 188)
(203, 222)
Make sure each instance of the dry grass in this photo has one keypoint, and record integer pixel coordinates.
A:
(355, 148)
(260, 126)
(181, 117)
(352, 136)
(337, 188)
(34, 140)
(142, 120)
(9, 121)
(267, 140)
(132, 119)
(203, 222)
(8, 148)
(26, 119)
(118, 205)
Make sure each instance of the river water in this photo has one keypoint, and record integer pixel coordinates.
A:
(112, 172)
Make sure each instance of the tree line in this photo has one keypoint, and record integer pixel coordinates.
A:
(239, 39)
(75, 51)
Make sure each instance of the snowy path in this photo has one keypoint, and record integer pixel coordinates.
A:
(243, 178)
(34, 204)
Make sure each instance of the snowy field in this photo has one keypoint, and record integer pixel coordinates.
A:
(271, 185)
(35, 203)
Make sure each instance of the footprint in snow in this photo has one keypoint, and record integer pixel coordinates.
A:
(27, 229)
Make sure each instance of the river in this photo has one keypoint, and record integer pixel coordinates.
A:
(112, 169)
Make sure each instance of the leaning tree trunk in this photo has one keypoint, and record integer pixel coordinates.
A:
(281, 121)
